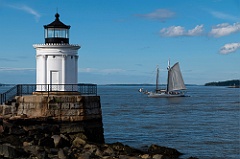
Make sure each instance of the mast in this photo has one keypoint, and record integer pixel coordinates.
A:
(168, 68)
(157, 78)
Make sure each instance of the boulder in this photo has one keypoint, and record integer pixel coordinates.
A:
(169, 152)
(61, 154)
(46, 141)
(9, 151)
(78, 142)
(61, 141)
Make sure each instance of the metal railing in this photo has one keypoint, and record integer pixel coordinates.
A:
(28, 89)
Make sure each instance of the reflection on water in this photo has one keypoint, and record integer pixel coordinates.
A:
(175, 100)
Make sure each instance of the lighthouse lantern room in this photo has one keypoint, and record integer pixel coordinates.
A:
(57, 32)
(56, 60)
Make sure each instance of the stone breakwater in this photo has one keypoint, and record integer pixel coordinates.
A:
(45, 139)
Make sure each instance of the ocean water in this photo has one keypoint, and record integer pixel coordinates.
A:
(204, 125)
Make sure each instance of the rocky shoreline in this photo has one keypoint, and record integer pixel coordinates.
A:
(46, 141)
(77, 147)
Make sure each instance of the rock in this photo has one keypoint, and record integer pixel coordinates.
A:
(123, 157)
(78, 142)
(80, 135)
(56, 139)
(61, 154)
(169, 152)
(117, 146)
(157, 156)
(53, 151)
(145, 156)
(134, 157)
(64, 141)
(108, 152)
(84, 156)
(6, 150)
(1, 129)
(90, 148)
(32, 149)
(12, 139)
(46, 141)
(33, 139)
(60, 141)
(99, 152)
(132, 151)
(9, 151)
(107, 157)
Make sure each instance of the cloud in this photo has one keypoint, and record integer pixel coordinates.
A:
(104, 71)
(224, 16)
(16, 69)
(87, 70)
(224, 29)
(175, 31)
(7, 59)
(27, 10)
(198, 30)
(112, 70)
(229, 48)
(159, 14)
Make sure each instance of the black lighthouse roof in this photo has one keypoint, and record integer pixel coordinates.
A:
(57, 23)
(57, 32)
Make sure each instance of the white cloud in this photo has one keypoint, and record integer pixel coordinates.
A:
(224, 29)
(87, 70)
(104, 71)
(27, 10)
(224, 16)
(159, 14)
(174, 31)
(198, 30)
(229, 48)
(16, 69)
(114, 70)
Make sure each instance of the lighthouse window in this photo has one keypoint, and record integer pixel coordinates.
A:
(49, 33)
(56, 33)
(61, 33)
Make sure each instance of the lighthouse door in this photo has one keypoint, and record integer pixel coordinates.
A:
(54, 78)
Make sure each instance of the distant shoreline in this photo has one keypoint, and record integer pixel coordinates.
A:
(141, 85)
(229, 83)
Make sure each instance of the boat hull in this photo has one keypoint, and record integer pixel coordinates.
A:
(165, 95)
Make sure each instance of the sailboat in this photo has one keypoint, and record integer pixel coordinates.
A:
(175, 84)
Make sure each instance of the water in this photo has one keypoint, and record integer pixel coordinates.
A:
(205, 125)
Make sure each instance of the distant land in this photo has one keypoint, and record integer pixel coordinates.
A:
(230, 83)
(144, 84)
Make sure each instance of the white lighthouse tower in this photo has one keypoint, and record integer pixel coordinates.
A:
(56, 60)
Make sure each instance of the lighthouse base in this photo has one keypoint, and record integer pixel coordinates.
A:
(69, 114)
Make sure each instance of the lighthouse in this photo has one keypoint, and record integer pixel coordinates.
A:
(56, 101)
(56, 59)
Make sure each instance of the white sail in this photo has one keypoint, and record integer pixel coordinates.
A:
(175, 79)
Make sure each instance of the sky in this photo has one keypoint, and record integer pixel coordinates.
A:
(122, 41)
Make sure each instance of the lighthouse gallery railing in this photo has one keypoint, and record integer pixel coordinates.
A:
(28, 89)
